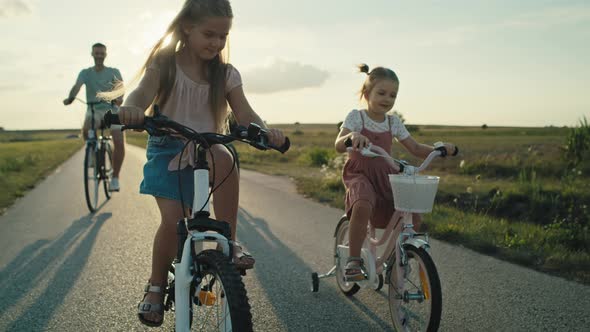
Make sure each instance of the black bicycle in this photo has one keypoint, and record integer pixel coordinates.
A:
(98, 161)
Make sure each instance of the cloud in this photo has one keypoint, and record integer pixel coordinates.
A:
(542, 18)
(547, 17)
(282, 75)
(10, 8)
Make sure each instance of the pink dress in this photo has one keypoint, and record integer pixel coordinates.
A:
(367, 179)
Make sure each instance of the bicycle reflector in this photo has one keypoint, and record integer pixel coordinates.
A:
(207, 298)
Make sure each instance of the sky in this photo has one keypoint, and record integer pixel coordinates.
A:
(460, 62)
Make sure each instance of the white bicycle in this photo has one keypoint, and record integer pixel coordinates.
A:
(205, 290)
(415, 297)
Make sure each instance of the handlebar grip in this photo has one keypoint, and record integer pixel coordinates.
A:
(443, 151)
(111, 119)
(283, 148)
(348, 143)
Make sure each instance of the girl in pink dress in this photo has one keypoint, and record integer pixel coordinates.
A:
(368, 192)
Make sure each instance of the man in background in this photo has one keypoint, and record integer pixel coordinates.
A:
(100, 78)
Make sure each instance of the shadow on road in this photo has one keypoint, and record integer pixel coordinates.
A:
(63, 259)
(286, 279)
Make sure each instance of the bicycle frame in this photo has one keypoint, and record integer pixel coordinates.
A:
(398, 233)
(192, 244)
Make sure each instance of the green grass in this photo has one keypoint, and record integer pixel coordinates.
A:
(136, 138)
(509, 193)
(27, 157)
(539, 247)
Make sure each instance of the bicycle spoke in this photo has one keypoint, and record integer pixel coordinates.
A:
(213, 312)
(410, 308)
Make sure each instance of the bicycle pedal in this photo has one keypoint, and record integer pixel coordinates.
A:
(356, 278)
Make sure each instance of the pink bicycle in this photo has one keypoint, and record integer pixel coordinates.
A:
(415, 297)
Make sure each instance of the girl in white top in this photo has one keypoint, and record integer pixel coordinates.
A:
(189, 80)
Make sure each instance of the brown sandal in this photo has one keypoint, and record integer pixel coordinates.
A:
(242, 259)
(145, 307)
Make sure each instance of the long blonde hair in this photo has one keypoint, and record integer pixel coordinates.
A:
(164, 51)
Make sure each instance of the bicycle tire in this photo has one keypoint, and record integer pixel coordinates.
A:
(107, 167)
(341, 238)
(227, 278)
(91, 177)
(429, 283)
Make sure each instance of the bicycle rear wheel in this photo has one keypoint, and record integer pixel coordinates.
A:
(348, 288)
(91, 176)
(415, 297)
(221, 302)
(107, 167)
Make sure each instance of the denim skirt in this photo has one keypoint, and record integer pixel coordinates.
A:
(158, 181)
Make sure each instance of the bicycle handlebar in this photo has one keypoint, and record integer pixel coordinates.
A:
(156, 125)
(404, 167)
(92, 103)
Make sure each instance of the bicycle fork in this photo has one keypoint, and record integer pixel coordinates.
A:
(188, 276)
(399, 260)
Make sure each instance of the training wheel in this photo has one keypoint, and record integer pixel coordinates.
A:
(315, 282)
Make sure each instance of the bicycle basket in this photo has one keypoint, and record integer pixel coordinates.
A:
(413, 193)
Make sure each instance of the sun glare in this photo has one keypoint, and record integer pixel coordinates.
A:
(167, 40)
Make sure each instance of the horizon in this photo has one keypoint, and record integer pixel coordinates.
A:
(2, 129)
(460, 63)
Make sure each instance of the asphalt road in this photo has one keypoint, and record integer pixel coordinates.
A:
(63, 269)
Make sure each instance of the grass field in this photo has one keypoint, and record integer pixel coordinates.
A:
(510, 192)
(28, 156)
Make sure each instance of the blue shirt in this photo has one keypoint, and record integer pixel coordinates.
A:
(96, 82)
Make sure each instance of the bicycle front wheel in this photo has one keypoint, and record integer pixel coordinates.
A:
(415, 297)
(91, 177)
(107, 167)
(221, 302)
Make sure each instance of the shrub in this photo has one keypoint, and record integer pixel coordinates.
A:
(317, 156)
(577, 146)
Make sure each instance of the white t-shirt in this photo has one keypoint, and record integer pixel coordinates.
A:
(353, 122)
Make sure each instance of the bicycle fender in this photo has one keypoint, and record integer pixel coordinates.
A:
(418, 243)
(342, 219)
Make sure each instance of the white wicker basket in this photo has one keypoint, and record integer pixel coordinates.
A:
(413, 193)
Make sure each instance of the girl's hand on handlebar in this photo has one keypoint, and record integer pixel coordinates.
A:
(451, 149)
(131, 116)
(359, 141)
(276, 137)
